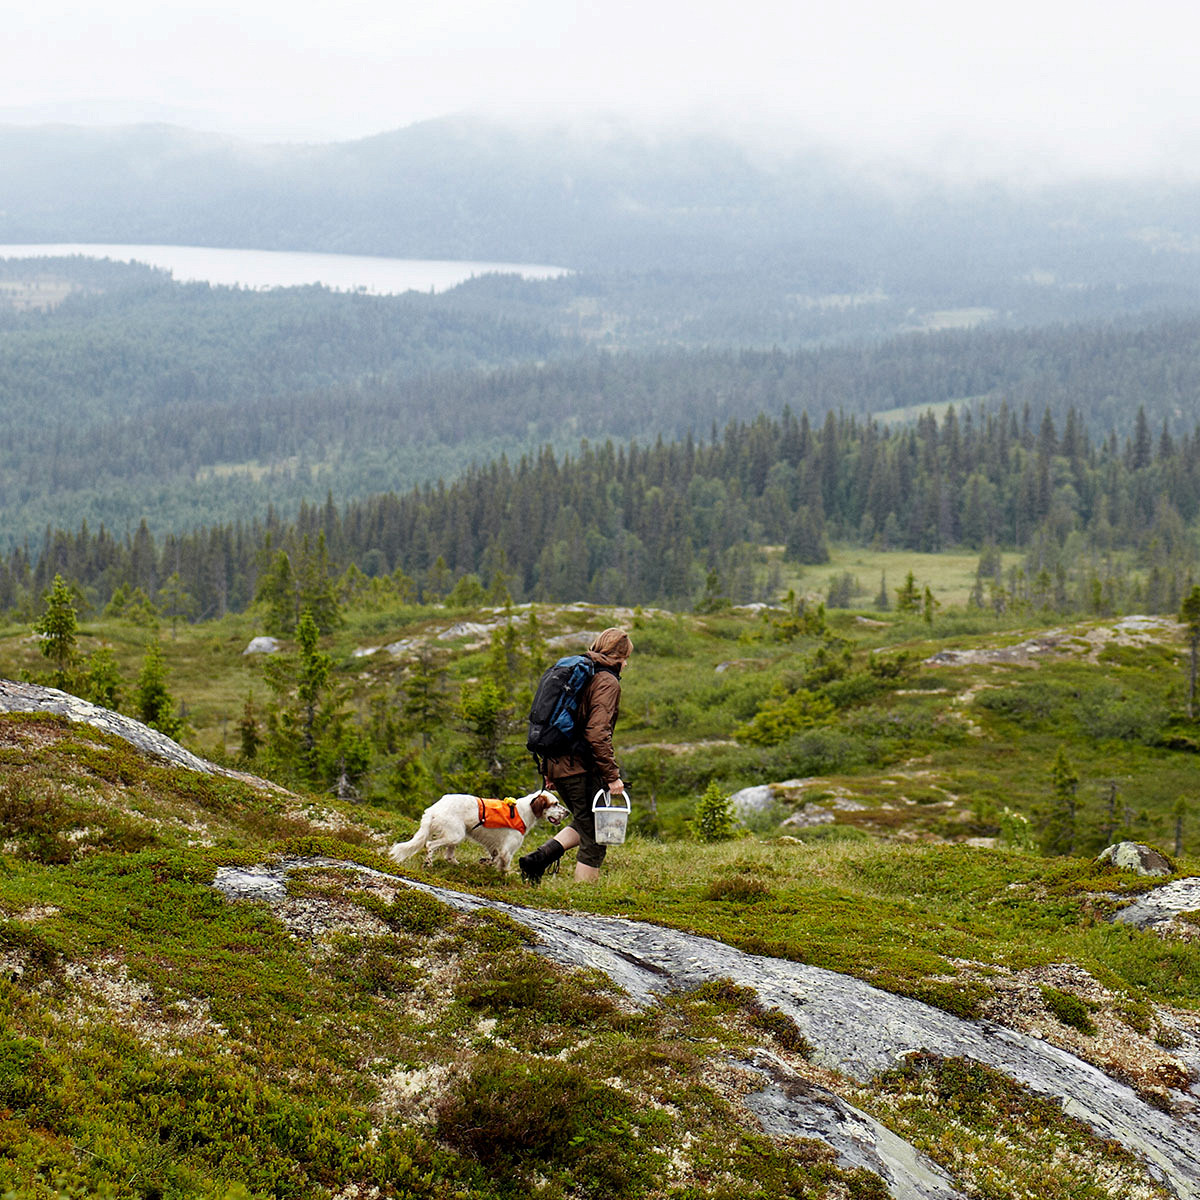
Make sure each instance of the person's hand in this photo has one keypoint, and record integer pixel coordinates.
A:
(616, 788)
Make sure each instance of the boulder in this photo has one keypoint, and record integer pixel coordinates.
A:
(262, 645)
(1133, 856)
(752, 799)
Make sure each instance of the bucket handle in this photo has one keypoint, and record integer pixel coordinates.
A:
(609, 801)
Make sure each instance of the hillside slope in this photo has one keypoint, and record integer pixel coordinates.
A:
(340, 1031)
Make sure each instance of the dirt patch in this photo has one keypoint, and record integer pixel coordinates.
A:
(33, 735)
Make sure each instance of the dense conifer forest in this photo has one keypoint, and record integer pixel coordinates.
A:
(675, 521)
(192, 407)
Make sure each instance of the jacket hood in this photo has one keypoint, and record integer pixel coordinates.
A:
(611, 646)
(611, 661)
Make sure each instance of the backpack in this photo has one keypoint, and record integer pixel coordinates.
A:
(555, 707)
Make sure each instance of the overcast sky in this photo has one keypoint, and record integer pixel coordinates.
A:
(1097, 84)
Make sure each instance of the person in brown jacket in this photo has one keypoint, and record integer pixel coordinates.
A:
(589, 767)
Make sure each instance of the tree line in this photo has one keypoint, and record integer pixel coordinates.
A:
(194, 406)
(673, 521)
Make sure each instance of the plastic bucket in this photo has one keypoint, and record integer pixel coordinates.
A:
(612, 817)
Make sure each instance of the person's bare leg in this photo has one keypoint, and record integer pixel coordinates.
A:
(586, 874)
(567, 838)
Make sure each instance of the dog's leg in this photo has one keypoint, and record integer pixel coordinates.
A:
(445, 834)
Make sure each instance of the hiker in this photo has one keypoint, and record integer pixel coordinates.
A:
(588, 767)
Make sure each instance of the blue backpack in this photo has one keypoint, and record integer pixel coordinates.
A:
(555, 708)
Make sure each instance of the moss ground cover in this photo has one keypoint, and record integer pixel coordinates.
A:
(165, 1042)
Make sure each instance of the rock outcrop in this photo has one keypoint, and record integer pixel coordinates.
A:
(262, 645)
(34, 698)
(1133, 856)
(855, 1028)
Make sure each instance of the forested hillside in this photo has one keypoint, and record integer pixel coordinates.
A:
(184, 405)
(641, 523)
(605, 197)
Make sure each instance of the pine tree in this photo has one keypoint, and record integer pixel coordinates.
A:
(908, 597)
(1060, 831)
(276, 592)
(102, 679)
(883, 601)
(425, 704)
(1189, 616)
(312, 678)
(929, 604)
(58, 627)
(154, 705)
(316, 591)
(176, 601)
(487, 716)
(249, 729)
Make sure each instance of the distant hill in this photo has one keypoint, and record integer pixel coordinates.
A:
(611, 199)
(189, 405)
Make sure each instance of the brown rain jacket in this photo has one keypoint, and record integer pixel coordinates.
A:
(599, 707)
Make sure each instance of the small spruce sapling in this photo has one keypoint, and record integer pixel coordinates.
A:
(1060, 832)
(57, 627)
(713, 820)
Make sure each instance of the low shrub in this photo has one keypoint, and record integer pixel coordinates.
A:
(522, 982)
(1068, 1009)
(533, 1116)
(412, 911)
(727, 996)
(738, 889)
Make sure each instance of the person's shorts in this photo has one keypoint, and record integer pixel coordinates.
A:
(577, 793)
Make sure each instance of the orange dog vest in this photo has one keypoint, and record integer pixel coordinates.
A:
(499, 814)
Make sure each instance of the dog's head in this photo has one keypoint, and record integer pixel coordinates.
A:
(547, 808)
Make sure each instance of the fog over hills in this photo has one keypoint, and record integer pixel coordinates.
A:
(607, 198)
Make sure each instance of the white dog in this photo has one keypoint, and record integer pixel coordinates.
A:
(499, 826)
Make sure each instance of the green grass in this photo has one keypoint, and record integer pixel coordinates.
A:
(949, 574)
(897, 916)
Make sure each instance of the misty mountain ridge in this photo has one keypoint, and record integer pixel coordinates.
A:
(596, 195)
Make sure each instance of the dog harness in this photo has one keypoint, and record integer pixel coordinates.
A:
(499, 814)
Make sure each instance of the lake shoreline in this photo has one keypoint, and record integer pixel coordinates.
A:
(266, 269)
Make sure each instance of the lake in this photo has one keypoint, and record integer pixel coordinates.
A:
(286, 268)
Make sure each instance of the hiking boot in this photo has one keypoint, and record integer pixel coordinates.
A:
(534, 866)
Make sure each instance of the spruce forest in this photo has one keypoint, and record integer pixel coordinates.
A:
(1102, 526)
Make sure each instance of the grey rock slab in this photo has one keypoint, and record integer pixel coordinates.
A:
(790, 1106)
(854, 1028)
(1162, 904)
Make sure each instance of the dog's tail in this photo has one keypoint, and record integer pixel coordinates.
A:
(402, 850)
